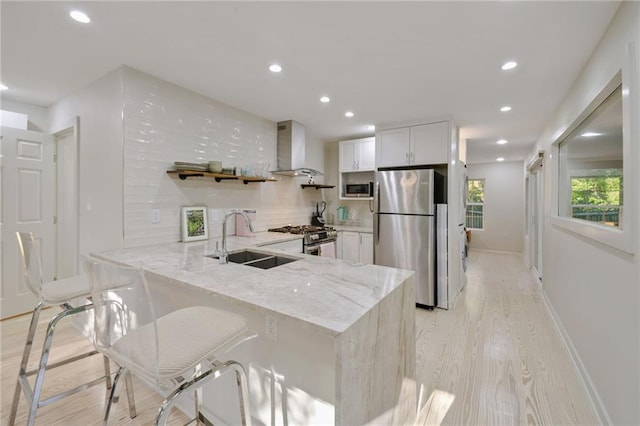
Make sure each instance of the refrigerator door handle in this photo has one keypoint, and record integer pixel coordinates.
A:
(378, 196)
(376, 230)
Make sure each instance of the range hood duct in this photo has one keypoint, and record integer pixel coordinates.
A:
(291, 152)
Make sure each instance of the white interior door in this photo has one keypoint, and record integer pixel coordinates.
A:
(28, 205)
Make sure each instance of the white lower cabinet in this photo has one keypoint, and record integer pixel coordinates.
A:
(366, 248)
(350, 246)
(355, 246)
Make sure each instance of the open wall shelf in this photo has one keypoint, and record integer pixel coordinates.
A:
(316, 186)
(219, 177)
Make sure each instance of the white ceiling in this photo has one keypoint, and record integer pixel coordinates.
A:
(385, 61)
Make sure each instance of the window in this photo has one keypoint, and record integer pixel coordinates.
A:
(475, 204)
(591, 169)
(597, 198)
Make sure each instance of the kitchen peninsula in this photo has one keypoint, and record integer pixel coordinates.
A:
(336, 340)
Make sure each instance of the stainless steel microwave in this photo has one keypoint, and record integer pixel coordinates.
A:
(358, 190)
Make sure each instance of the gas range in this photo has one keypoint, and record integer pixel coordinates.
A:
(312, 235)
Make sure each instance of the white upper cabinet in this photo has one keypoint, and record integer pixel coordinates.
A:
(347, 156)
(367, 154)
(357, 155)
(429, 143)
(413, 145)
(392, 147)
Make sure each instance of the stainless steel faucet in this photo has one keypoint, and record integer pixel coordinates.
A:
(222, 256)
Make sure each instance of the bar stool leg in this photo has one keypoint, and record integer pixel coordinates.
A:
(114, 393)
(130, 399)
(42, 367)
(243, 393)
(107, 371)
(25, 360)
(197, 394)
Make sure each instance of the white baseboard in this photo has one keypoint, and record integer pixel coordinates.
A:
(585, 379)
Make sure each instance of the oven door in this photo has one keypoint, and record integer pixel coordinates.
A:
(313, 250)
(325, 249)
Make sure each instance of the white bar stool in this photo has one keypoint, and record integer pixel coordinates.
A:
(53, 293)
(174, 351)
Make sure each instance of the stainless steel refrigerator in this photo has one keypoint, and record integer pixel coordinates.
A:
(404, 226)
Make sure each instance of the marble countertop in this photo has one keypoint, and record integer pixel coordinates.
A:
(326, 294)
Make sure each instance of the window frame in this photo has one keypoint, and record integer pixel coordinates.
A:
(469, 203)
(619, 238)
(595, 173)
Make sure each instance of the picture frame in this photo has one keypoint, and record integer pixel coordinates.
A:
(195, 226)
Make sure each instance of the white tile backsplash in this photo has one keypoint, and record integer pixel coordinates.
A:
(164, 123)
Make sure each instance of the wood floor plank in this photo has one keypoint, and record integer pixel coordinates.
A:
(498, 354)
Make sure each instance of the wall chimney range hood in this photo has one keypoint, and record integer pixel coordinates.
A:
(290, 151)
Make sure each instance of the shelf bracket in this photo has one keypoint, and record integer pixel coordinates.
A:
(317, 186)
(219, 179)
(184, 177)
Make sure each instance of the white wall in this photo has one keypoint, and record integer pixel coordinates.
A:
(132, 128)
(595, 289)
(164, 123)
(38, 116)
(99, 108)
(503, 206)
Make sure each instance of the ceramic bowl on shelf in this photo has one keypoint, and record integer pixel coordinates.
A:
(181, 165)
(215, 166)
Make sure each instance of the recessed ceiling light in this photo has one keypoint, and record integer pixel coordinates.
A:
(505, 108)
(324, 99)
(501, 142)
(590, 134)
(500, 159)
(371, 127)
(80, 16)
(348, 114)
(509, 65)
(275, 68)
(3, 87)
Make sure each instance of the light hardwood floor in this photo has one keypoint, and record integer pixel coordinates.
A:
(495, 359)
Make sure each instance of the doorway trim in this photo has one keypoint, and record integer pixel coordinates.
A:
(67, 209)
(535, 182)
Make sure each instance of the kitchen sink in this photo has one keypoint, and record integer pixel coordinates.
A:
(271, 262)
(246, 256)
(257, 259)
